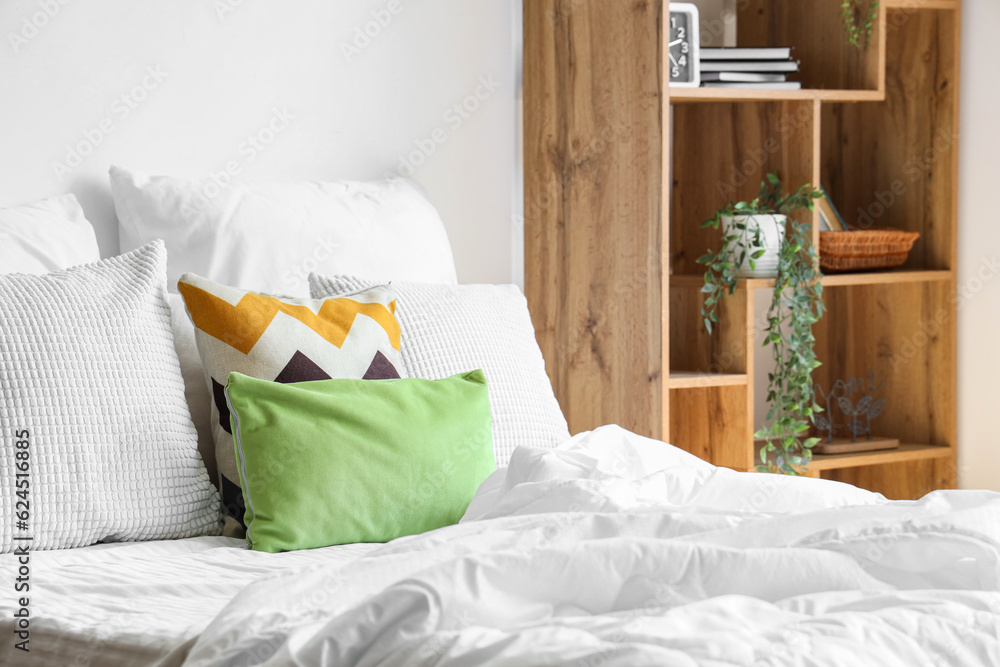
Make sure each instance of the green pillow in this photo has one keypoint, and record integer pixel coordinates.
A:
(343, 461)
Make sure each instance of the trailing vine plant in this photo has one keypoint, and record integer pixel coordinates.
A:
(796, 305)
(849, 11)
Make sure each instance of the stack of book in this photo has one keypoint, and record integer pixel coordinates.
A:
(738, 67)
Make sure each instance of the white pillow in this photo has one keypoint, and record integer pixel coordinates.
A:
(47, 235)
(450, 329)
(268, 237)
(88, 371)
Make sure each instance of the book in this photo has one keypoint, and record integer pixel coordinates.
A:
(829, 216)
(751, 77)
(775, 85)
(738, 53)
(749, 66)
(824, 222)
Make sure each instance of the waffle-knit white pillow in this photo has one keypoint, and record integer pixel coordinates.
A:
(91, 389)
(451, 329)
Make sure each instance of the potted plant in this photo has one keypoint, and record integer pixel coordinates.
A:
(849, 12)
(760, 238)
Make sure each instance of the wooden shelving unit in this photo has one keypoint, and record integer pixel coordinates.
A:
(621, 170)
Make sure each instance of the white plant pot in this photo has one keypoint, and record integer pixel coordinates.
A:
(772, 229)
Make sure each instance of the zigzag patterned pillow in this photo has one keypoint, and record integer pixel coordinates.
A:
(284, 340)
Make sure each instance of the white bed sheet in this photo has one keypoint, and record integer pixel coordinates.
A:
(136, 603)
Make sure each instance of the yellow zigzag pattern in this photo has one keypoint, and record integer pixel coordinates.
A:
(242, 325)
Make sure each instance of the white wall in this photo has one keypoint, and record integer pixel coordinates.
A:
(979, 249)
(226, 64)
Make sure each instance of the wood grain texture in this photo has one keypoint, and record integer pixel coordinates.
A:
(594, 144)
(815, 30)
(900, 481)
(713, 423)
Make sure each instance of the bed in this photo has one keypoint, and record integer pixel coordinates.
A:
(384, 503)
(611, 549)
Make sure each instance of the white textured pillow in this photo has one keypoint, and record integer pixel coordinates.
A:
(268, 237)
(88, 369)
(450, 329)
(47, 235)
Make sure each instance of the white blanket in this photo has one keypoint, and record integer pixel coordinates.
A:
(617, 550)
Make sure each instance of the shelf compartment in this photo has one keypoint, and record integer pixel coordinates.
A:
(906, 334)
(746, 141)
(693, 380)
(696, 353)
(892, 164)
(816, 32)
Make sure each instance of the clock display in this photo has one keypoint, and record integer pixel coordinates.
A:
(683, 45)
(680, 47)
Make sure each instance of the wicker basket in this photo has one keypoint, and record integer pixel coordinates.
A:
(864, 249)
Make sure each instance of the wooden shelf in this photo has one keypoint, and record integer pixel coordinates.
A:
(693, 95)
(832, 280)
(695, 380)
(921, 4)
(886, 278)
(903, 454)
(611, 275)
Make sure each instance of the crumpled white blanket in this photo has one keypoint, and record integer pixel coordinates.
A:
(619, 550)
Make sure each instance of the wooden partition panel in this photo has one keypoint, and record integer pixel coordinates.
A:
(891, 164)
(594, 145)
(721, 153)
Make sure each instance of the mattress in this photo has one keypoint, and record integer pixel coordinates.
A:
(136, 603)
